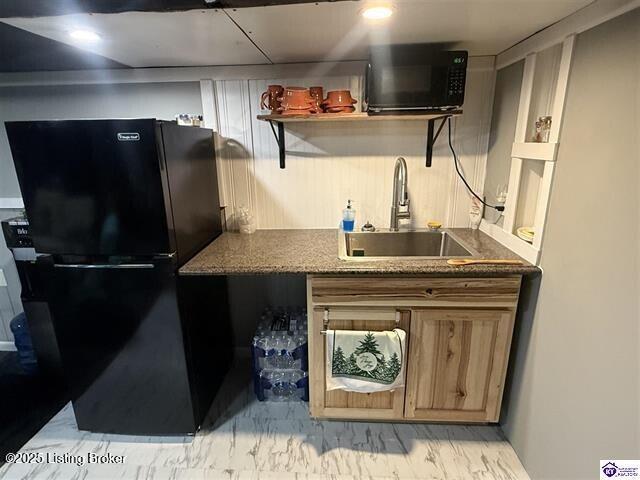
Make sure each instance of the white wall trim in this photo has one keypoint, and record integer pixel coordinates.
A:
(535, 151)
(588, 17)
(512, 242)
(542, 206)
(7, 346)
(9, 203)
(561, 87)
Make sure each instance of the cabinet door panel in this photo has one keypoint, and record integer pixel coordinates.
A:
(457, 364)
(339, 403)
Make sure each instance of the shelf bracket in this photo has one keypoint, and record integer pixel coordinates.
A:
(432, 135)
(431, 138)
(279, 140)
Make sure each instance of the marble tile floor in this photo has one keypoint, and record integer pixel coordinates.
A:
(246, 439)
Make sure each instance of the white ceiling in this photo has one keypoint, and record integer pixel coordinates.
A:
(154, 39)
(336, 31)
(303, 32)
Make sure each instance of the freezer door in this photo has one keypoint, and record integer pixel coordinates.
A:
(122, 347)
(92, 187)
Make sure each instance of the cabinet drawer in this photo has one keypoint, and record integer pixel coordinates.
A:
(415, 291)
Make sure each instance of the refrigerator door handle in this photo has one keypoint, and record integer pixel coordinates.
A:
(103, 266)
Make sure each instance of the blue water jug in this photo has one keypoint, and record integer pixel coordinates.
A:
(22, 339)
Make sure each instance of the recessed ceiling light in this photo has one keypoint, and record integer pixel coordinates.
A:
(378, 12)
(84, 35)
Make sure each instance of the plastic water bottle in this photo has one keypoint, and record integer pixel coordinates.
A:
(279, 353)
(284, 385)
(24, 346)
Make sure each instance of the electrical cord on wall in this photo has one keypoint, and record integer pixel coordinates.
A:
(499, 208)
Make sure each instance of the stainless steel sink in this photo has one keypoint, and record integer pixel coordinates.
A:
(410, 244)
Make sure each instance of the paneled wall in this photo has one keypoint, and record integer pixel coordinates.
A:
(329, 163)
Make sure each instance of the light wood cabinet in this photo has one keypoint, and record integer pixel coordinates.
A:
(457, 364)
(458, 333)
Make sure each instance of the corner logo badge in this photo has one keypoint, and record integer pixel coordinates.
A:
(128, 136)
(609, 469)
(620, 469)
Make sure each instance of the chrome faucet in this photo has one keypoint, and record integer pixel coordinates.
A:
(400, 205)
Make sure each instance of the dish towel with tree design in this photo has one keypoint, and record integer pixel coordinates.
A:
(363, 361)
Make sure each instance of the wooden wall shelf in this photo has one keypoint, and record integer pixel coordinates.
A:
(430, 118)
(350, 117)
(535, 151)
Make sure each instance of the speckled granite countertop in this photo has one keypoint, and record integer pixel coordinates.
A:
(316, 251)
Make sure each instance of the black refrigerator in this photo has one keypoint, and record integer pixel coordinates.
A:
(115, 207)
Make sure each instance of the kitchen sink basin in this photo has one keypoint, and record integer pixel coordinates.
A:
(410, 244)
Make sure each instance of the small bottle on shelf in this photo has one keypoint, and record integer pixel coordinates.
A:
(546, 127)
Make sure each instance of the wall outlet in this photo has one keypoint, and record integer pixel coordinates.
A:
(3, 279)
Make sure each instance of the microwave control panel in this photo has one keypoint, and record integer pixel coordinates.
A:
(457, 76)
(456, 80)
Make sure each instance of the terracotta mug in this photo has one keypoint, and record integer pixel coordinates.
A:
(347, 109)
(269, 99)
(317, 93)
(339, 98)
(306, 111)
(296, 98)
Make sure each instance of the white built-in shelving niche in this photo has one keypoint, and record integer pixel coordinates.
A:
(543, 89)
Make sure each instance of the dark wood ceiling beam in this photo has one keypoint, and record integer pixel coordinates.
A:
(45, 8)
(24, 51)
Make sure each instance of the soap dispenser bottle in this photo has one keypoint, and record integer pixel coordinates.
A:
(348, 217)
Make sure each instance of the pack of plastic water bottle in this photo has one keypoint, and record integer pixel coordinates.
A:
(280, 355)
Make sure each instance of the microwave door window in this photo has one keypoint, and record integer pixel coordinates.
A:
(406, 84)
(411, 86)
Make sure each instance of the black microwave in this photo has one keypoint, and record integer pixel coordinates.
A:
(414, 78)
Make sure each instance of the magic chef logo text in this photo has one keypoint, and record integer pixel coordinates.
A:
(128, 136)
